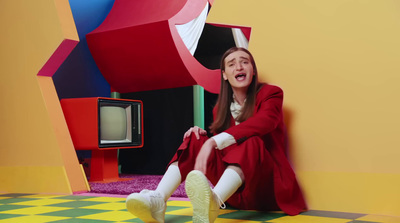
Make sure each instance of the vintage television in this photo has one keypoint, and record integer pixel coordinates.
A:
(104, 125)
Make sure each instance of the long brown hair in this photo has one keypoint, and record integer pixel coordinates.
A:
(223, 116)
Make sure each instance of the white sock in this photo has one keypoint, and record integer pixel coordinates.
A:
(169, 182)
(228, 184)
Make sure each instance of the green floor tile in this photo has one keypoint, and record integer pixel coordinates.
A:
(356, 221)
(177, 218)
(14, 195)
(137, 220)
(174, 208)
(7, 207)
(333, 214)
(7, 216)
(15, 200)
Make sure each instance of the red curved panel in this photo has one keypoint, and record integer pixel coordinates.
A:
(137, 47)
(127, 13)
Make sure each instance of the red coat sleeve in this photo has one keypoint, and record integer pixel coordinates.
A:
(267, 115)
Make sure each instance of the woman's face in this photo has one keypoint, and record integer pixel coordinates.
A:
(238, 70)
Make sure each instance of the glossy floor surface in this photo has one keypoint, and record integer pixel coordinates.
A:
(94, 208)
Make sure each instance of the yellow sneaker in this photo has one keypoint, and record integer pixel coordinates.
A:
(147, 205)
(204, 201)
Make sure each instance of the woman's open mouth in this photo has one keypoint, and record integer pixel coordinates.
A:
(240, 77)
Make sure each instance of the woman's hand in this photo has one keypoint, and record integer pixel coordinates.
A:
(202, 157)
(196, 130)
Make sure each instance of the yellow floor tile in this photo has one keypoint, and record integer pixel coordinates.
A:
(179, 203)
(107, 206)
(380, 218)
(308, 219)
(105, 199)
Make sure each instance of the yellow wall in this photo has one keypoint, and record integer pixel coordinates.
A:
(337, 61)
(339, 65)
(36, 153)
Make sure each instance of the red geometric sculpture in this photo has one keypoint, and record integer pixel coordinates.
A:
(138, 48)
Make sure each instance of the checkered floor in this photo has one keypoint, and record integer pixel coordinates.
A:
(35, 208)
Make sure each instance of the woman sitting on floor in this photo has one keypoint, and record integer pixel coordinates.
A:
(245, 159)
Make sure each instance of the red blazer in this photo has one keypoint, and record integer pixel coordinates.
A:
(267, 123)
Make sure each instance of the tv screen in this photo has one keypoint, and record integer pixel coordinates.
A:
(119, 123)
(113, 124)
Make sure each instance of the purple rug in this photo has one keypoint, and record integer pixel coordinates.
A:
(138, 183)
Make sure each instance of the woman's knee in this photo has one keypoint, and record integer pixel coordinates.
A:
(253, 143)
(196, 142)
(255, 139)
(201, 137)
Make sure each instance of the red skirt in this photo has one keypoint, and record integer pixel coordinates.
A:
(257, 191)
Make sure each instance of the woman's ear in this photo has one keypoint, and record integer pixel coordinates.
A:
(224, 75)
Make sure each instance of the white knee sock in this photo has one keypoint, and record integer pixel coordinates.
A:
(169, 182)
(228, 184)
